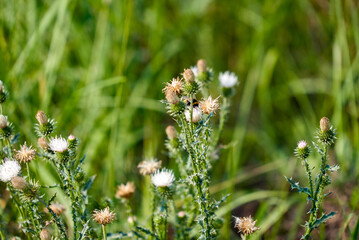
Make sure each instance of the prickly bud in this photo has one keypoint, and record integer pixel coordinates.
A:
(188, 75)
(41, 117)
(324, 124)
(302, 151)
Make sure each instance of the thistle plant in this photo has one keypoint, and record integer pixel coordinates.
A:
(325, 136)
(180, 201)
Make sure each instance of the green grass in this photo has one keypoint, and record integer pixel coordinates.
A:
(98, 69)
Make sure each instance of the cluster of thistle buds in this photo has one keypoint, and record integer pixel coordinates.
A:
(326, 136)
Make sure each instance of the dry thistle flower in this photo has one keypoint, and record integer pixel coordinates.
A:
(104, 216)
(3, 121)
(41, 117)
(324, 124)
(171, 97)
(18, 183)
(188, 75)
(58, 144)
(57, 208)
(171, 132)
(245, 225)
(42, 142)
(149, 167)
(201, 66)
(125, 190)
(196, 114)
(25, 154)
(176, 86)
(8, 170)
(45, 235)
(209, 105)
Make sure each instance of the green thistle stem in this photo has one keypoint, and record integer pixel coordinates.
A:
(104, 232)
(309, 174)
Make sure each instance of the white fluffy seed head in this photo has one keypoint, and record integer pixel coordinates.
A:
(58, 144)
(163, 178)
(228, 79)
(8, 170)
(196, 115)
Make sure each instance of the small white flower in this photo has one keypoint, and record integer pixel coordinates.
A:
(58, 144)
(302, 144)
(163, 178)
(194, 70)
(196, 115)
(8, 170)
(228, 79)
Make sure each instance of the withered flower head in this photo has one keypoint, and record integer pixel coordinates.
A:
(171, 132)
(324, 124)
(188, 75)
(209, 105)
(18, 182)
(150, 166)
(171, 97)
(41, 117)
(201, 65)
(245, 225)
(57, 208)
(42, 143)
(125, 190)
(25, 154)
(104, 216)
(176, 86)
(45, 235)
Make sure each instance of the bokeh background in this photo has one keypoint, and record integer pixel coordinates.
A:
(98, 68)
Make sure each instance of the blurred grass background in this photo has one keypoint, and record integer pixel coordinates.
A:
(98, 68)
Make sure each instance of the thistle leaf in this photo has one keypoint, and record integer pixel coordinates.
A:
(295, 185)
(322, 219)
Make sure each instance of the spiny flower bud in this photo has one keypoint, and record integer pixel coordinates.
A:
(18, 183)
(326, 134)
(171, 132)
(45, 235)
(302, 151)
(3, 121)
(42, 143)
(41, 117)
(324, 124)
(188, 75)
(172, 97)
(201, 66)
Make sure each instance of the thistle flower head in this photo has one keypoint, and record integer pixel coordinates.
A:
(148, 167)
(196, 114)
(171, 132)
(41, 117)
(302, 151)
(228, 79)
(58, 144)
(42, 142)
(125, 190)
(25, 154)
(201, 66)
(209, 105)
(45, 235)
(57, 208)
(324, 124)
(3, 121)
(18, 182)
(104, 216)
(245, 225)
(171, 97)
(176, 86)
(163, 178)
(8, 170)
(188, 75)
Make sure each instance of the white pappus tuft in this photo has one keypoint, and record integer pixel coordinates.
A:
(163, 178)
(58, 144)
(228, 79)
(9, 169)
